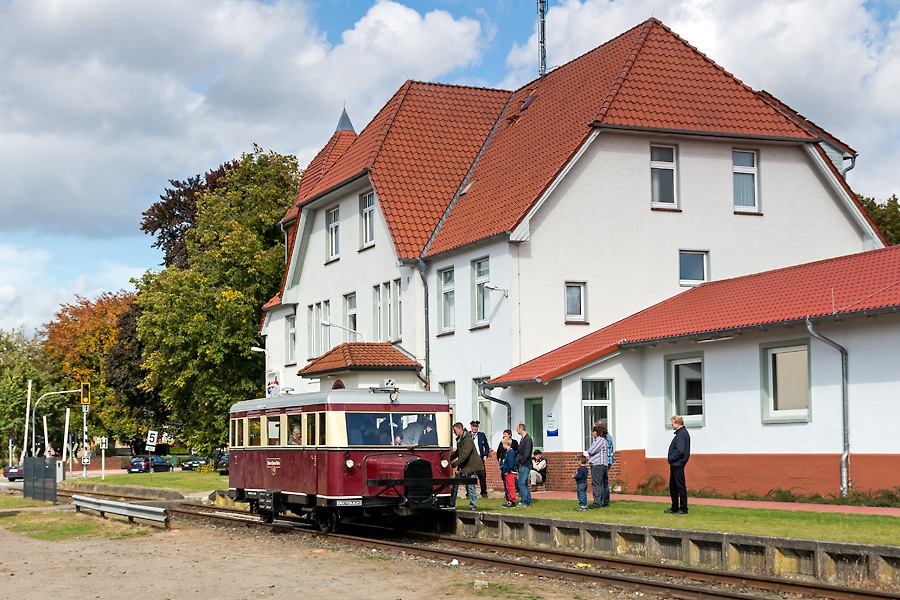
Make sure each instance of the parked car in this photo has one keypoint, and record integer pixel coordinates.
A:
(222, 463)
(192, 462)
(140, 464)
(13, 473)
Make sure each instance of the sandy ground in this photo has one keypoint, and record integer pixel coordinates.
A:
(199, 561)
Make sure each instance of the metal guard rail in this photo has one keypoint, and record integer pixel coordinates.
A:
(132, 511)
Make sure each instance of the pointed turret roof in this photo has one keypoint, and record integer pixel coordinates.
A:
(344, 123)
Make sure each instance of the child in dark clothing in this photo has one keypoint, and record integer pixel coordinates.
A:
(581, 482)
(509, 471)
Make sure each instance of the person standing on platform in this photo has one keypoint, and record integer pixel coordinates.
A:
(598, 457)
(508, 471)
(523, 462)
(679, 454)
(501, 449)
(484, 451)
(466, 459)
(581, 480)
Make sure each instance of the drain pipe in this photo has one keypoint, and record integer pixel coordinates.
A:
(845, 480)
(420, 264)
(482, 390)
(852, 164)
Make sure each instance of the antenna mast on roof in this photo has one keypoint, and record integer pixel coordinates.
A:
(542, 49)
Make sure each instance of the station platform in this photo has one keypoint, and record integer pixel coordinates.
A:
(664, 501)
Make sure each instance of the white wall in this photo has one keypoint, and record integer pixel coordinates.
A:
(468, 352)
(357, 270)
(733, 415)
(598, 227)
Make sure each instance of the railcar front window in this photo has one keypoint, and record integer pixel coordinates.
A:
(391, 429)
(238, 432)
(321, 429)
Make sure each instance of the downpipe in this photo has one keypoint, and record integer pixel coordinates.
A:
(845, 404)
(482, 391)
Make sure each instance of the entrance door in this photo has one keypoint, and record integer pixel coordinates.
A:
(534, 421)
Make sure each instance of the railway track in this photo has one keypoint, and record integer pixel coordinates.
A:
(668, 581)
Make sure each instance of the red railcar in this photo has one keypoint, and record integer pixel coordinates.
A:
(341, 454)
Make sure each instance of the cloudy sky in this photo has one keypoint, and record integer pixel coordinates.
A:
(103, 101)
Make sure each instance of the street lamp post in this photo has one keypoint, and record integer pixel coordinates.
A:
(358, 334)
(34, 412)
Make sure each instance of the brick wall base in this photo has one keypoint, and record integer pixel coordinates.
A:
(758, 474)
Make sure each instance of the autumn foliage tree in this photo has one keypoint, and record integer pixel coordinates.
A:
(75, 344)
(199, 322)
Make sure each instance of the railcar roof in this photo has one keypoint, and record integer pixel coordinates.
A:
(360, 397)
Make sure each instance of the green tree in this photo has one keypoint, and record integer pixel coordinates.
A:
(20, 361)
(198, 323)
(886, 216)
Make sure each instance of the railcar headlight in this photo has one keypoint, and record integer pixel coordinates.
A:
(445, 464)
(349, 463)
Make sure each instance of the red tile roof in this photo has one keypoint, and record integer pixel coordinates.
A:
(416, 152)
(864, 283)
(360, 356)
(647, 78)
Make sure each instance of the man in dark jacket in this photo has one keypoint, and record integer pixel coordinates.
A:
(484, 450)
(523, 462)
(679, 454)
(467, 462)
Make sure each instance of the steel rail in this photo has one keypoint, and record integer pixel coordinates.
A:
(742, 580)
(679, 590)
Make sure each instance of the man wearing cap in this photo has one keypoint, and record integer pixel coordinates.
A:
(484, 450)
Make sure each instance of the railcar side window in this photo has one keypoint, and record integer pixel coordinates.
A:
(391, 429)
(311, 429)
(321, 429)
(295, 430)
(273, 424)
(238, 432)
(254, 431)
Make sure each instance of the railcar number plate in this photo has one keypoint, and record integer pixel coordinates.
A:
(357, 502)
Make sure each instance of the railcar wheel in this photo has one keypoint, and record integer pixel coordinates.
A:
(327, 520)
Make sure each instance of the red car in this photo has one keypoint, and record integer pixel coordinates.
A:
(13, 473)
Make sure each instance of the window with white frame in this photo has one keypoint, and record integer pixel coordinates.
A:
(332, 225)
(575, 301)
(290, 327)
(350, 318)
(398, 312)
(310, 332)
(377, 321)
(684, 388)
(448, 388)
(785, 376)
(596, 405)
(481, 411)
(326, 329)
(692, 267)
(744, 169)
(663, 176)
(367, 220)
(481, 271)
(317, 350)
(388, 312)
(447, 312)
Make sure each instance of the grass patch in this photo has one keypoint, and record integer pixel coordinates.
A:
(182, 481)
(10, 501)
(837, 527)
(66, 525)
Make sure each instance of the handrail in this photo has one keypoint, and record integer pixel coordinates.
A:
(132, 511)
